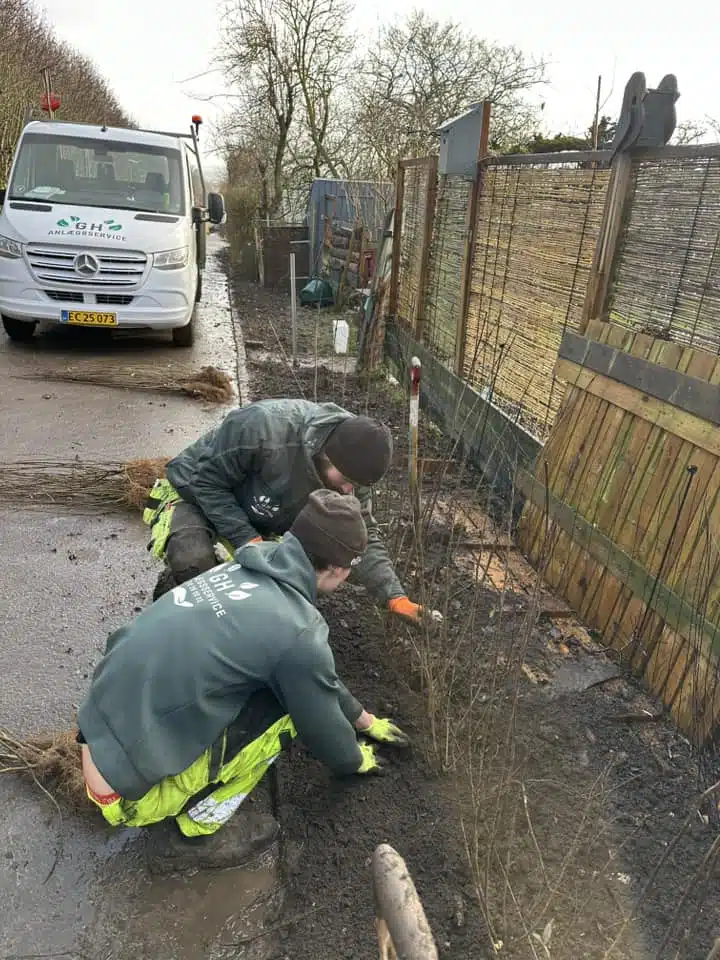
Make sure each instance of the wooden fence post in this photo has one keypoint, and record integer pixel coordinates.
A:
(606, 247)
(397, 230)
(430, 197)
(466, 275)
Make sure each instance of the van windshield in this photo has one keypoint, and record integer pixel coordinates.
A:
(98, 173)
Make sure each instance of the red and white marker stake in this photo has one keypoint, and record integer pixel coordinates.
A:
(415, 376)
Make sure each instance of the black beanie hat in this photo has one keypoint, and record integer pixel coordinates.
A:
(361, 449)
(330, 527)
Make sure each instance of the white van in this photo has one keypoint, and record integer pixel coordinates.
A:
(104, 227)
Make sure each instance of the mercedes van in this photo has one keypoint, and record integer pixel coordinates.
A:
(104, 227)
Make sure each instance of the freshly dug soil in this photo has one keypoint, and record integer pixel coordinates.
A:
(535, 794)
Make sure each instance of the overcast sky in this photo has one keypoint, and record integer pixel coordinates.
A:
(146, 48)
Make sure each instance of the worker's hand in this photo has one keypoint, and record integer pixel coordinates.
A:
(371, 764)
(385, 731)
(405, 608)
(255, 540)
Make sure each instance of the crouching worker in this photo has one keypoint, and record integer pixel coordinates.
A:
(197, 696)
(249, 478)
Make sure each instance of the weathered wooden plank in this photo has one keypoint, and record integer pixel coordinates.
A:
(678, 533)
(666, 536)
(593, 483)
(667, 416)
(605, 259)
(599, 605)
(662, 497)
(683, 575)
(645, 632)
(414, 162)
(531, 526)
(620, 564)
(569, 480)
(621, 484)
(691, 151)
(689, 393)
(695, 705)
(599, 157)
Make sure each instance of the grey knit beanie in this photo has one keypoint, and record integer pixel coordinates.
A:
(330, 527)
(361, 449)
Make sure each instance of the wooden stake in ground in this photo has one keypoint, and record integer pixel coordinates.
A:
(402, 927)
(415, 375)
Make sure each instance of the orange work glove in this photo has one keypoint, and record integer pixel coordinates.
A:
(403, 607)
(256, 540)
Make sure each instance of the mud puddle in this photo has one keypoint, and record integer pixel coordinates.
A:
(212, 914)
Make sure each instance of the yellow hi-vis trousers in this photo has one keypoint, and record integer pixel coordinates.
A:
(187, 796)
(158, 514)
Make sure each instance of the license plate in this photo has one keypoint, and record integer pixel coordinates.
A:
(89, 318)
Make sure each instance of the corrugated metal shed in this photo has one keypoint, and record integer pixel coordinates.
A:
(343, 201)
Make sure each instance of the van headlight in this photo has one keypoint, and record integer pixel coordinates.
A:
(171, 259)
(10, 249)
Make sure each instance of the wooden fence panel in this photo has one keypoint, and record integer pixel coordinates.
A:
(413, 237)
(667, 277)
(632, 538)
(536, 229)
(443, 300)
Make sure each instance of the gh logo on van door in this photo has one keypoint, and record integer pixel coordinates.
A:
(86, 265)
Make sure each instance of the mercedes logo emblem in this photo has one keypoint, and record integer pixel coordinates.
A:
(86, 265)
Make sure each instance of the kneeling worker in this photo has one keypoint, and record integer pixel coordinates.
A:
(250, 477)
(198, 695)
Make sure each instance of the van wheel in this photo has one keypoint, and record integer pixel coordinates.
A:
(183, 336)
(20, 330)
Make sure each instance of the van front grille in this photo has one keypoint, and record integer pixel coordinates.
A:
(65, 296)
(114, 299)
(56, 264)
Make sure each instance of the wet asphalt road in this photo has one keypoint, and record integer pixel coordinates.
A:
(66, 581)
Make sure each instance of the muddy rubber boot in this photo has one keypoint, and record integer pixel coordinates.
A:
(245, 838)
(165, 582)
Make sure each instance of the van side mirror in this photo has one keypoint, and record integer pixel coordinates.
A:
(216, 207)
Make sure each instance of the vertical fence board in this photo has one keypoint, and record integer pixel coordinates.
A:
(627, 483)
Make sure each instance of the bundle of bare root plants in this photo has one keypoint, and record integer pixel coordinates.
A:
(208, 383)
(82, 485)
(51, 760)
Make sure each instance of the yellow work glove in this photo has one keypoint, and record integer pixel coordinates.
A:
(385, 731)
(370, 763)
(405, 608)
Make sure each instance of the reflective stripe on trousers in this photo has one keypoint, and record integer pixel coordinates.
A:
(158, 515)
(236, 779)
